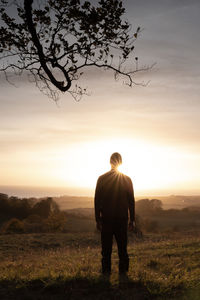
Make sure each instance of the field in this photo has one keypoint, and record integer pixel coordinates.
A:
(67, 266)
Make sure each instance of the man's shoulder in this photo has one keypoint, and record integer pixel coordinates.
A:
(103, 176)
(113, 174)
(127, 178)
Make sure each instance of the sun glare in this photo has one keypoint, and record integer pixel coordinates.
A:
(151, 167)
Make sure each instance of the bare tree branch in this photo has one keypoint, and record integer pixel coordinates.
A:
(56, 41)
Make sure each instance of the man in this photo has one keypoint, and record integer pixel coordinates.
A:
(114, 197)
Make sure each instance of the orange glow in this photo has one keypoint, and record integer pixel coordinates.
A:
(151, 167)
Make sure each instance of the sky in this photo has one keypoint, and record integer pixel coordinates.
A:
(155, 128)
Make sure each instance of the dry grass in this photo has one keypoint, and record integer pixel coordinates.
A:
(66, 266)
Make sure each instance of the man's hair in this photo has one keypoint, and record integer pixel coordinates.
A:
(116, 159)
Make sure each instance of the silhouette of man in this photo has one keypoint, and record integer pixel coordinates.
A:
(114, 197)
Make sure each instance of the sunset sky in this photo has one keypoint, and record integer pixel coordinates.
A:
(156, 128)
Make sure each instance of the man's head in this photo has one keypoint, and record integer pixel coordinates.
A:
(115, 160)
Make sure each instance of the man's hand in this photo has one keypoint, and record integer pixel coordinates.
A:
(131, 226)
(99, 226)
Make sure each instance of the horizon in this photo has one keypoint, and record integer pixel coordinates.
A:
(42, 191)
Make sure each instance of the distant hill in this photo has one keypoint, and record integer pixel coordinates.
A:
(169, 202)
(173, 201)
(80, 212)
(179, 201)
(71, 202)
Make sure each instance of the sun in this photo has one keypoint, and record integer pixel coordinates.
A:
(151, 167)
(141, 161)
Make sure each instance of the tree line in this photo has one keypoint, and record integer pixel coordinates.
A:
(152, 217)
(26, 215)
(30, 215)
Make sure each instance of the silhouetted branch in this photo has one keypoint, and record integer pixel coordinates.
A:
(56, 41)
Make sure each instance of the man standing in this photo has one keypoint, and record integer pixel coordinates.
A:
(114, 197)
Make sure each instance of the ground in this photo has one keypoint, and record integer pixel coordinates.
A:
(67, 266)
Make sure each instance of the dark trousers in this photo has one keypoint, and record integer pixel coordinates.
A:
(119, 230)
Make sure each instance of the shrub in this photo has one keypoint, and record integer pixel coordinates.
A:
(150, 225)
(55, 222)
(13, 226)
(33, 223)
(33, 219)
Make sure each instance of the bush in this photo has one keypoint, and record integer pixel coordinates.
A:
(150, 225)
(33, 223)
(45, 207)
(33, 219)
(55, 222)
(13, 226)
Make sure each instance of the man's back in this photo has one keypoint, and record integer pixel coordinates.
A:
(114, 196)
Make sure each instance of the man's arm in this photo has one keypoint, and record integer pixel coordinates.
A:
(97, 203)
(131, 204)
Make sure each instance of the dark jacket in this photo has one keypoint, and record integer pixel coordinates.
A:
(114, 196)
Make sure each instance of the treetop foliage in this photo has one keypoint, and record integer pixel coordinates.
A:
(56, 41)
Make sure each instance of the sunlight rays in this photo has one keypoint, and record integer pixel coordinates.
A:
(150, 166)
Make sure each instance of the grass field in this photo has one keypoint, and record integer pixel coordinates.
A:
(67, 266)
